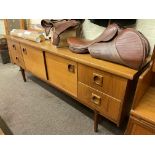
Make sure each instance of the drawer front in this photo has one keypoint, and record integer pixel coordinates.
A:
(18, 57)
(62, 73)
(139, 129)
(136, 127)
(106, 105)
(16, 54)
(34, 61)
(105, 82)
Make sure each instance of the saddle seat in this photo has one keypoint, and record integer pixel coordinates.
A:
(79, 45)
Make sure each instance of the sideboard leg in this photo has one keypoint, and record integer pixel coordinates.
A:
(23, 73)
(96, 120)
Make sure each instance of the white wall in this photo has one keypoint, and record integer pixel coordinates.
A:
(91, 31)
(2, 27)
(35, 21)
(147, 27)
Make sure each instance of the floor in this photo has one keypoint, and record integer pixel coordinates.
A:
(36, 108)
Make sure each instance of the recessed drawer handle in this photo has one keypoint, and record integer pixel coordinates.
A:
(71, 68)
(98, 79)
(14, 47)
(96, 99)
(17, 59)
(24, 51)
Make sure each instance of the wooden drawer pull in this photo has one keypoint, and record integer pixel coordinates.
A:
(14, 47)
(71, 68)
(98, 79)
(24, 51)
(96, 99)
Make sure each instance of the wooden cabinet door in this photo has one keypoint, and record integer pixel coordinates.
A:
(62, 73)
(34, 61)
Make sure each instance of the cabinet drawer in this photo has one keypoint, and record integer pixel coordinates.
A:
(106, 105)
(62, 73)
(34, 61)
(105, 82)
(16, 54)
(139, 127)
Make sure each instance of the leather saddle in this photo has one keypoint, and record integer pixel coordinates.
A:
(124, 46)
(58, 27)
(79, 45)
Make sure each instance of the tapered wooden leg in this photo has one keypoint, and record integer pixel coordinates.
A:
(23, 73)
(96, 120)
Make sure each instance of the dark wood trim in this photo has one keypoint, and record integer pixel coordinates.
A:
(23, 74)
(45, 63)
(96, 120)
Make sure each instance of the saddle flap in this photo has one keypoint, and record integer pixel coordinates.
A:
(109, 33)
(129, 48)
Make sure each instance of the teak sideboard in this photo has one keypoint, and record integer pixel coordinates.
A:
(103, 86)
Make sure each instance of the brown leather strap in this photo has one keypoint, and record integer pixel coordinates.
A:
(46, 23)
(60, 27)
(49, 22)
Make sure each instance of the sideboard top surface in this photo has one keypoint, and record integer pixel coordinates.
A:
(86, 59)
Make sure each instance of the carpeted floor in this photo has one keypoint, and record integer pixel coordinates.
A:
(37, 108)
